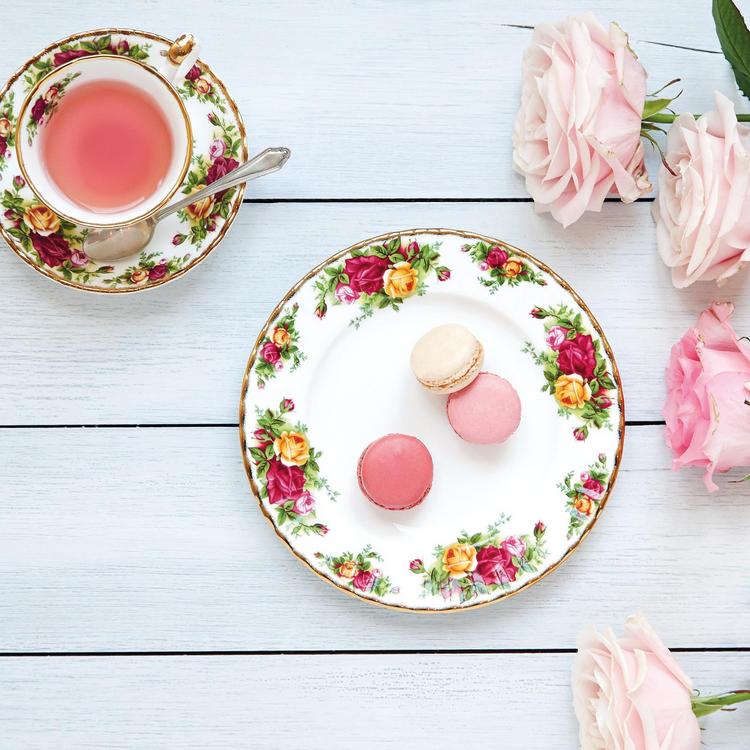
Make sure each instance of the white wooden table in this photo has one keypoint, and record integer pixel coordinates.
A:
(133, 558)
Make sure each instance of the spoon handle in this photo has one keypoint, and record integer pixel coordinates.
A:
(266, 162)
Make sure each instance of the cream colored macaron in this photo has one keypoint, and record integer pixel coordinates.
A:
(447, 358)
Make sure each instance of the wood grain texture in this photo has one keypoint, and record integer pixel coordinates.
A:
(149, 539)
(177, 354)
(383, 701)
(385, 99)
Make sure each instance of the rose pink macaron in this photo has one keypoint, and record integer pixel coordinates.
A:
(487, 411)
(395, 471)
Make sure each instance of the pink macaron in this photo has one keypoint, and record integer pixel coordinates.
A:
(487, 411)
(395, 471)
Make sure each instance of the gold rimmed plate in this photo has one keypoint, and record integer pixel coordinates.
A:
(52, 245)
(329, 373)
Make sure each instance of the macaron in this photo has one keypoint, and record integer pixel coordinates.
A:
(487, 411)
(395, 471)
(447, 358)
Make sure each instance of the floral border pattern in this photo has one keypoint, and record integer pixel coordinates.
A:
(585, 493)
(378, 277)
(575, 369)
(356, 572)
(287, 470)
(279, 347)
(46, 105)
(481, 563)
(501, 266)
(7, 129)
(198, 85)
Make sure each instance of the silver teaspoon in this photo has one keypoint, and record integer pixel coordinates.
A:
(121, 242)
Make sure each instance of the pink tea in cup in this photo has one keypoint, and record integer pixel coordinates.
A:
(107, 146)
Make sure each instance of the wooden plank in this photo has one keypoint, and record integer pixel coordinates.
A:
(149, 539)
(373, 701)
(177, 354)
(395, 99)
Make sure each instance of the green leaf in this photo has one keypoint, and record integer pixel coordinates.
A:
(652, 106)
(734, 38)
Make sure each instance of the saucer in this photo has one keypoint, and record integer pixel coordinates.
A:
(331, 366)
(53, 246)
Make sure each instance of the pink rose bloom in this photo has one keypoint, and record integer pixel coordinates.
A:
(365, 273)
(78, 258)
(284, 482)
(708, 385)
(576, 356)
(515, 546)
(484, 265)
(270, 352)
(630, 692)
(304, 503)
(702, 211)
(577, 135)
(278, 365)
(345, 294)
(593, 488)
(494, 565)
(496, 257)
(555, 337)
(364, 580)
(217, 148)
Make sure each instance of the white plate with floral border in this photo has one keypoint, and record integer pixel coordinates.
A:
(330, 372)
(52, 246)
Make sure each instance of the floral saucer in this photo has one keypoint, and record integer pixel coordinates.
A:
(330, 372)
(53, 246)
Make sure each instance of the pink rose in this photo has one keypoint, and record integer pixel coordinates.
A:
(364, 580)
(494, 565)
(284, 482)
(193, 74)
(496, 257)
(365, 273)
(61, 58)
(217, 148)
(576, 356)
(577, 135)
(53, 249)
(159, 271)
(515, 546)
(555, 337)
(262, 437)
(593, 488)
(539, 529)
(18, 182)
(416, 566)
(37, 111)
(78, 258)
(484, 265)
(278, 365)
(631, 692)
(345, 294)
(304, 503)
(701, 212)
(706, 411)
(270, 352)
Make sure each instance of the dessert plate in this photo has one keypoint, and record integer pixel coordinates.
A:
(329, 373)
(52, 246)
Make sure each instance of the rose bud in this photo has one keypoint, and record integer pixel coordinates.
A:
(178, 239)
(18, 182)
(287, 405)
(538, 313)
(443, 273)
(416, 566)
(580, 433)
(539, 529)
(321, 310)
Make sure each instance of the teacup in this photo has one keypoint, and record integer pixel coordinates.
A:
(103, 74)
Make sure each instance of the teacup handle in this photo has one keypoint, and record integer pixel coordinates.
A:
(179, 58)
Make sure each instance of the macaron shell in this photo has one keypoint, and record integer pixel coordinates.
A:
(487, 411)
(395, 471)
(447, 358)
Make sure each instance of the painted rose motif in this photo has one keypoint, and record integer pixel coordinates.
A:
(575, 370)
(357, 571)
(500, 267)
(150, 269)
(204, 216)
(584, 493)
(286, 470)
(279, 347)
(481, 563)
(46, 105)
(197, 85)
(378, 277)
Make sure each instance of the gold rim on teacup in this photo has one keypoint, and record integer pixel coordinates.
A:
(62, 73)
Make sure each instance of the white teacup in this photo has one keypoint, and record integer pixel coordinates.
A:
(44, 97)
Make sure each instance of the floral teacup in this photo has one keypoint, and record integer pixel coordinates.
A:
(44, 98)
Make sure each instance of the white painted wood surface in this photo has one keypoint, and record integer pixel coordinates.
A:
(318, 702)
(127, 539)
